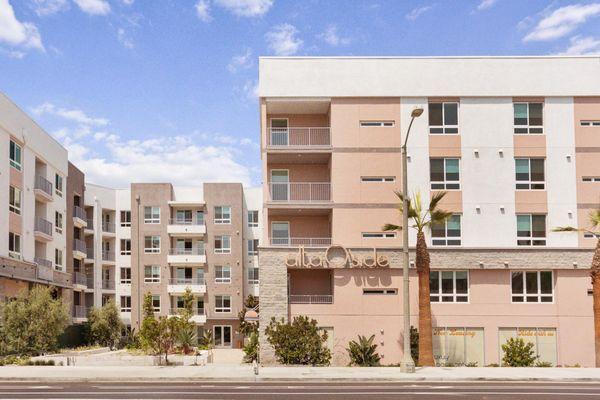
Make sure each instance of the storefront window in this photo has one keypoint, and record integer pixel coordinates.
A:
(458, 346)
(544, 340)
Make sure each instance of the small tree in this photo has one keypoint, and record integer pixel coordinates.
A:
(251, 348)
(363, 353)
(105, 325)
(167, 331)
(149, 330)
(247, 328)
(517, 353)
(32, 323)
(298, 342)
(186, 333)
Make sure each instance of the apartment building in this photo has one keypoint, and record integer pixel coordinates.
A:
(515, 142)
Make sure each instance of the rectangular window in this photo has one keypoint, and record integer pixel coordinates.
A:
(590, 123)
(126, 275)
(380, 291)
(253, 275)
(222, 215)
(532, 286)
(125, 247)
(531, 230)
(530, 173)
(58, 185)
(58, 222)
(377, 124)
(253, 247)
(58, 259)
(253, 218)
(372, 235)
(152, 215)
(14, 245)
(15, 155)
(14, 200)
(447, 233)
(125, 303)
(458, 346)
(528, 118)
(156, 303)
(222, 304)
(449, 286)
(223, 244)
(152, 273)
(222, 274)
(152, 244)
(543, 340)
(126, 218)
(444, 173)
(377, 178)
(591, 178)
(443, 118)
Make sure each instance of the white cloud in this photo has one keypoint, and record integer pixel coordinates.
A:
(246, 8)
(48, 7)
(283, 41)
(16, 33)
(251, 89)
(203, 11)
(128, 2)
(93, 7)
(562, 21)
(485, 4)
(417, 12)
(242, 61)
(331, 36)
(583, 46)
(124, 39)
(73, 115)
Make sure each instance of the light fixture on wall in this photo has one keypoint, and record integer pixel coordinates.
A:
(478, 209)
(476, 153)
(570, 214)
(505, 264)
(574, 264)
(480, 264)
(502, 210)
(501, 152)
(568, 158)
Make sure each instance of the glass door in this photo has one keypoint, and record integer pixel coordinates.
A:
(280, 185)
(222, 336)
(280, 233)
(279, 132)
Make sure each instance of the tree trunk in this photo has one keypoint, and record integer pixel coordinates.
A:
(425, 334)
(595, 274)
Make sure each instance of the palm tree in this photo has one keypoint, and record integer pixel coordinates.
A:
(594, 273)
(423, 218)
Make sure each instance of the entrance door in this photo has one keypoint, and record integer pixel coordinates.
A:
(280, 184)
(222, 336)
(280, 233)
(279, 132)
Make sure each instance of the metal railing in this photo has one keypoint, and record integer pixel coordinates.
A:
(89, 253)
(79, 245)
(194, 251)
(90, 224)
(42, 262)
(187, 281)
(80, 311)
(43, 225)
(299, 137)
(179, 310)
(310, 299)
(80, 278)
(43, 184)
(186, 221)
(90, 282)
(295, 241)
(108, 227)
(300, 191)
(108, 284)
(108, 255)
(80, 213)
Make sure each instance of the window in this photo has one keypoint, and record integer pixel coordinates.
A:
(14, 245)
(444, 173)
(385, 235)
(58, 259)
(126, 218)
(14, 200)
(589, 235)
(380, 291)
(152, 244)
(279, 132)
(156, 303)
(152, 273)
(222, 274)
(253, 275)
(531, 230)
(378, 124)
(58, 185)
(15, 155)
(447, 233)
(253, 218)
(377, 178)
(591, 179)
(531, 286)
(543, 340)
(280, 233)
(222, 244)
(58, 222)
(222, 304)
(222, 215)
(590, 123)
(126, 304)
(152, 215)
(126, 275)
(449, 286)
(458, 346)
(443, 118)
(530, 173)
(528, 118)
(253, 247)
(125, 247)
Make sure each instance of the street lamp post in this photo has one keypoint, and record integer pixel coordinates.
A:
(407, 364)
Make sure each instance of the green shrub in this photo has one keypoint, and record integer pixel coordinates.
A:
(472, 364)
(414, 344)
(543, 364)
(299, 342)
(517, 353)
(205, 342)
(251, 348)
(363, 353)
(186, 337)
(105, 325)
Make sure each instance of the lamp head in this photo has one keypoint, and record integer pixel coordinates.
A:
(416, 112)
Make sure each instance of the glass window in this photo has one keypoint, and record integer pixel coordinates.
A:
(443, 118)
(528, 118)
(58, 259)
(126, 275)
(529, 173)
(253, 275)
(447, 233)
(532, 286)
(58, 185)
(280, 233)
(253, 218)
(253, 247)
(222, 274)
(377, 124)
(458, 346)
(14, 200)
(449, 286)
(543, 339)
(152, 273)
(152, 244)
(156, 303)
(222, 304)
(152, 215)
(222, 214)
(14, 245)
(223, 244)
(378, 178)
(444, 173)
(125, 303)
(531, 230)
(58, 222)
(384, 235)
(15, 155)
(125, 247)
(590, 123)
(126, 218)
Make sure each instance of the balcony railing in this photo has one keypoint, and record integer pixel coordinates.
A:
(80, 278)
(79, 212)
(90, 224)
(194, 251)
(89, 253)
(299, 137)
(179, 310)
(108, 227)
(186, 221)
(43, 184)
(43, 225)
(81, 311)
(310, 299)
(108, 255)
(43, 262)
(90, 282)
(187, 281)
(300, 191)
(79, 245)
(296, 241)
(108, 284)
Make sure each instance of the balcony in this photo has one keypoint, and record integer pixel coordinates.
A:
(108, 284)
(310, 299)
(80, 312)
(300, 192)
(108, 228)
(296, 241)
(79, 217)
(179, 285)
(89, 227)
(42, 229)
(79, 249)
(80, 279)
(186, 227)
(198, 314)
(89, 255)
(108, 256)
(187, 256)
(42, 189)
(299, 138)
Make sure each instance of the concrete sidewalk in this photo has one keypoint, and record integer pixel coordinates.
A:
(232, 373)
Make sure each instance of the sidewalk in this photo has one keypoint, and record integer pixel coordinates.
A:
(237, 373)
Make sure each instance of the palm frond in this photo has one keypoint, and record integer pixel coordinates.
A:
(392, 227)
(439, 216)
(565, 229)
(435, 199)
(595, 218)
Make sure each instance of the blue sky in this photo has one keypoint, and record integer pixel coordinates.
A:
(164, 90)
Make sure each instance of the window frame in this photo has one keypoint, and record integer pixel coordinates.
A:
(127, 221)
(378, 235)
(446, 239)
(15, 148)
(589, 123)
(252, 222)
(222, 250)
(125, 280)
(222, 309)
(152, 250)
(529, 182)
(222, 220)
(153, 219)
(16, 241)
(590, 179)
(58, 259)
(524, 295)
(446, 129)
(126, 252)
(223, 279)
(528, 127)
(445, 184)
(254, 246)
(154, 277)
(14, 201)
(378, 179)
(379, 291)
(531, 238)
(58, 185)
(58, 222)
(127, 307)
(438, 297)
(155, 298)
(253, 275)
(377, 123)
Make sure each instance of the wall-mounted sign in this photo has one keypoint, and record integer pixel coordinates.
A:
(336, 257)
